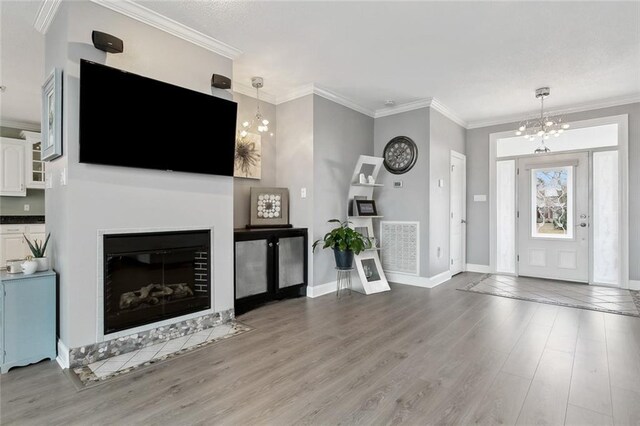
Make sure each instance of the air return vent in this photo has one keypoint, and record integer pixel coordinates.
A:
(400, 244)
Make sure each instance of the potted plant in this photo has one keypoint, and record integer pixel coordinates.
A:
(38, 249)
(345, 242)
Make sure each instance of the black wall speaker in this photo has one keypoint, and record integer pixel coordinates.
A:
(107, 42)
(220, 81)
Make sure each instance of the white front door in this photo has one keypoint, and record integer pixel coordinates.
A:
(553, 216)
(457, 206)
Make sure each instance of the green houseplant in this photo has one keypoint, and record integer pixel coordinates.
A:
(38, 249)
(345, 242)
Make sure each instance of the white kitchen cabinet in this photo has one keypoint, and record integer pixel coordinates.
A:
(34, 166)
(12, 243)
(12, 167)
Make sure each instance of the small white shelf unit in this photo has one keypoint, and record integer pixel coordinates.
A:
(371, 278)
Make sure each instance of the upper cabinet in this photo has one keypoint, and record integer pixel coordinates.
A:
(13, 170)
(34, 166)
(21, 165)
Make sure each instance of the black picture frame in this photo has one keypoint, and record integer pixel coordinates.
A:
(366, 208)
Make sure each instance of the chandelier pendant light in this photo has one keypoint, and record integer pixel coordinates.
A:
(543, 127)
(259, 123)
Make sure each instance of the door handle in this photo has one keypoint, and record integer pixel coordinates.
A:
(270, 244)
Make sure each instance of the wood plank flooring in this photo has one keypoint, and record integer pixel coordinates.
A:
(412, 356)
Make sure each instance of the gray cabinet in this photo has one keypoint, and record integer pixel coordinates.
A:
(270, 264)
(27, 319)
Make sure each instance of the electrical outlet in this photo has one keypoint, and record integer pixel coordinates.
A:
(303, 192)
(27, 207)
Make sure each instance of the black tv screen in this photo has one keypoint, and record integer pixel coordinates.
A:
(134, 121)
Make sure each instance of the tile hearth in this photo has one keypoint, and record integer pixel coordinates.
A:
(100, 371)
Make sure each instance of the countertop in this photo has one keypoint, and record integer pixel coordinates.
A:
(20, 220)
(5, 276)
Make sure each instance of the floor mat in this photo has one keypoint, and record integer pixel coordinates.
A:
(595, 298)
(105, 370)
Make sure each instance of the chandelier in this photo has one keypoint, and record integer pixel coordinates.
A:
(258, 123)
(543, 127)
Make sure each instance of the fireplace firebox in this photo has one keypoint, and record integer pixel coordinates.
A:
(149, 277)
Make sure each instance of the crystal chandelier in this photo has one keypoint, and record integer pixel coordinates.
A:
(260, 123)
(543, 127)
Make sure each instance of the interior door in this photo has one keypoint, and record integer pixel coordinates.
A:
(457, 200)
(553, 216)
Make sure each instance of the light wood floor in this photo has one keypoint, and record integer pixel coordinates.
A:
(411, 356)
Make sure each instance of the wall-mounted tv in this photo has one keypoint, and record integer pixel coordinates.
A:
(134, 121)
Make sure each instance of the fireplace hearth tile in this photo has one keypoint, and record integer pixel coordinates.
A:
(101, 371)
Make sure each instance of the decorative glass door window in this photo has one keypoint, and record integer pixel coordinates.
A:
(552, 202)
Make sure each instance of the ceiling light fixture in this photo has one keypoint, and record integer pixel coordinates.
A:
(260, 123)
(543, 127)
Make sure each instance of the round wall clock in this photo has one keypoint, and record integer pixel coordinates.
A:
(400, 155)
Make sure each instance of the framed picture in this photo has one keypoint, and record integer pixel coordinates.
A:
(269, 208)
(52, 116)
(366, 208)
(248, 157)
(370, 270)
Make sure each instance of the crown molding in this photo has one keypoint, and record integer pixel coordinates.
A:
(20, 125)
(161, 22)
(588, 106)
(46, 13)
(339, 99)
(296, 93)
(447, 112)
(406, 107)
(250, 91)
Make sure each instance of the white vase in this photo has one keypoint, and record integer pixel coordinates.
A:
(43, 263)
(29, 267)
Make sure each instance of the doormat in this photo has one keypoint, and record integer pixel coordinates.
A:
(595, 298)
(111, 368)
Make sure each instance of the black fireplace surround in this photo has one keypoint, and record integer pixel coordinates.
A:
(149, 277)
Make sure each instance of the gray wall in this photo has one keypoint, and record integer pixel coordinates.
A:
(101, 197)
(340, 136)
(14, 206)
(445, 136)
(294, 161)
(411, 202)
(478, 237)
(242, 186)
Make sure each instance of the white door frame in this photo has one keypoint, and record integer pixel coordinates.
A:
(623, 148)
(463, 158)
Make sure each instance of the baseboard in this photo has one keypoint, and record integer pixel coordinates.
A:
(483, 269)
(63, 355)
(416, 281)
(634, 285)
(322, 289)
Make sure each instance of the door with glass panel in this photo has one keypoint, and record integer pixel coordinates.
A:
(553, 216)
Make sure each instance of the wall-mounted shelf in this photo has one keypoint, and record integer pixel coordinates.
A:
(367, 184)
(365, 217)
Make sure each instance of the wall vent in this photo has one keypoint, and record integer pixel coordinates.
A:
(400, 242)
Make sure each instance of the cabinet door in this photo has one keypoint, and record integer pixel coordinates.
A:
(252, 267)
(291, 261)
(12, 171)
(34, 165)
(12, 246)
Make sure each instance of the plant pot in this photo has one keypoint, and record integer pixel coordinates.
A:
(344, 259)
(29, 267)
(43, 263)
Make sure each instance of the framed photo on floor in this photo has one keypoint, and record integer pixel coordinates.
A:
(370, 270)
(52, 116)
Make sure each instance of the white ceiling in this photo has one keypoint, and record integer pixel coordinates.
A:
(482, 60)
(21, 62)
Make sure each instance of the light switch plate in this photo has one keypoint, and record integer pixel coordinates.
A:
(63, 177)
(27, 207)
(303, 192)
(441, 183)
(480, 197)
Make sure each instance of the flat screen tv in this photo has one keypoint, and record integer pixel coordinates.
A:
(134, 121)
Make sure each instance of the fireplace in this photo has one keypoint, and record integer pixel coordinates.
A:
(149, 277)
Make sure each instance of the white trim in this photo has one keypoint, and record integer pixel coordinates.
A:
(431, 282)
(482, 269)
(296, 93)
(20, 125)
(603, 103)
(634, 285)
(46, 13)
(447, 112)
(454, 154)
(161, 22)
(406, 107)
(63, 355)
(250, 91)
(339, 99)
(322, 289)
